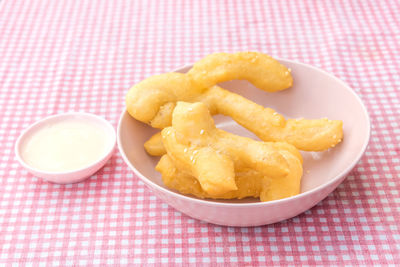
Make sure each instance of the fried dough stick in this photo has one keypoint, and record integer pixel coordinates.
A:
(199, 149)
(268, 125)
(153, 100)
(261, 70)
(249, 183)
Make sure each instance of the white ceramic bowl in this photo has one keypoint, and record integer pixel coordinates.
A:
(75, 175)
(315, 94)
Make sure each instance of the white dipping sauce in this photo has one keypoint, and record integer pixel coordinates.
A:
(66, 145)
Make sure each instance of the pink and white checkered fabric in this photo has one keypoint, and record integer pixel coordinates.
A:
(58, 56)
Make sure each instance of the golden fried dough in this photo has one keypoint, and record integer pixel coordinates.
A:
(213, 170)
(287, 186)
(146, 99)
(154, 145)
(153, 100)
(261, 70)
(250, 183)
(268, 125)
(201, 160)
(197, 148)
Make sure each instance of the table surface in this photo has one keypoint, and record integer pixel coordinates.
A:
(59, 56)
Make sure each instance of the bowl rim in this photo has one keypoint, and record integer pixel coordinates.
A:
(267, 203)
(90, 116)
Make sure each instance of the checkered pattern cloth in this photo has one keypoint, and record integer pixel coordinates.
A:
(59, 56)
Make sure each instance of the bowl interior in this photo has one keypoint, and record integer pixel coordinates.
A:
(315, 94)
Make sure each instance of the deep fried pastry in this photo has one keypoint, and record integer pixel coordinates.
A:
(214, 171)
(250, 183)
(268, 125)
(201, 160)
(199, 149)
(261, 70)
(153, 100)
(150, 100)
(154, 145)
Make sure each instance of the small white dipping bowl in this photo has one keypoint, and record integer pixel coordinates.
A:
(315, 94)
(73, 176)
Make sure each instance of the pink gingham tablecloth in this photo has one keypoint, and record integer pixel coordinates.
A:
(59, 56)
